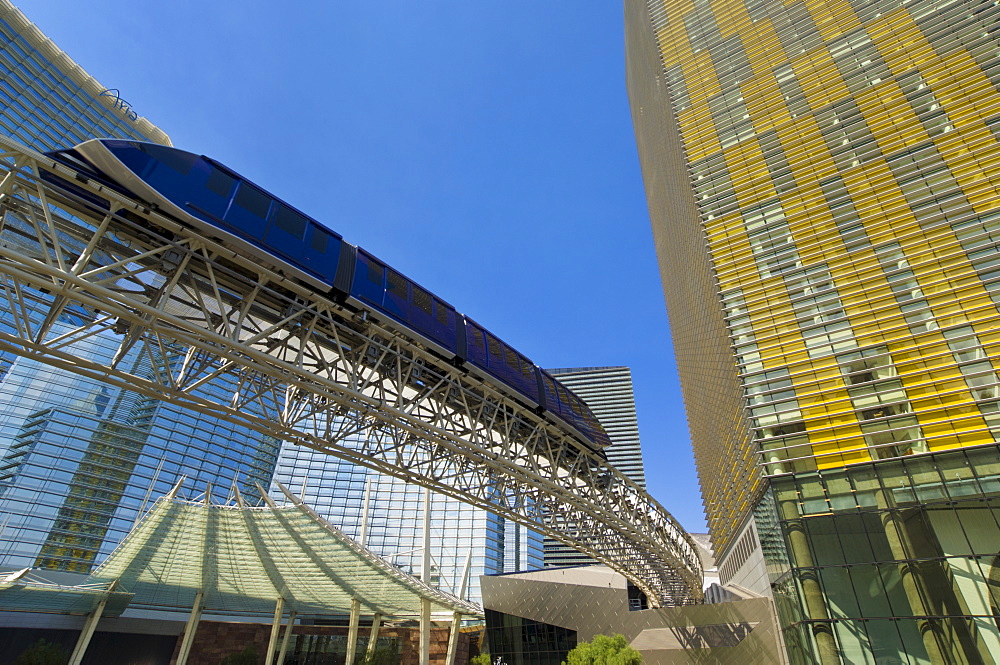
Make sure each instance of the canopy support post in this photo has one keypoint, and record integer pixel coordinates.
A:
(425, 631)
(465, 575)
(456, 618)
(89, 626)
(373, 635)
(285, 639)
(425, 561)
(190, 628)
(272, 644)
(365, 506)
(456, 624)
(425, 577)
(352, 631)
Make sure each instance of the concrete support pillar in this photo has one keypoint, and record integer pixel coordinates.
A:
(812, 592)
(286, 638)
(456, 625)
(425, 631)
(909, 571)
(272, 643)
(352, 631)
(190, 628)
(89, 626)
(373, 635)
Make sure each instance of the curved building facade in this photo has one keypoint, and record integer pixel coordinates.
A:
(824, 187)
(80, 459)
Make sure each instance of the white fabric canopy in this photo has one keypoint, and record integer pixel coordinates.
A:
(244, 559)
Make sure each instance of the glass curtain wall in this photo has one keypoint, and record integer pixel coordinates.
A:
(893, 562)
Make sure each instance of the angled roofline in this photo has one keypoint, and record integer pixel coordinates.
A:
(69, 67)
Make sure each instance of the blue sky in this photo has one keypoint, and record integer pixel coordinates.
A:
(485, 149)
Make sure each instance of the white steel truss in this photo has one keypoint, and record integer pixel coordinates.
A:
(300, 366)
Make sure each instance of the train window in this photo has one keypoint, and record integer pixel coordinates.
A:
(369, 280)
(252, 200)
(551, 395)
(397, 285)
(564, 397)
(422, 300)
(496, 353)
(478, 338)
(320, 239)
(177, 160)
(397, 295)
(220, 182)
(130, 154)
(290, 221)
(527, 368)
(511, 357)
(442, 312)
(375, 273)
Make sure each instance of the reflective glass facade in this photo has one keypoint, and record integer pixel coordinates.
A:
(81, 459)
(608, 393)
(890, 562)
(519, 641)
(48, 101)
(336, 489)
(822, 181)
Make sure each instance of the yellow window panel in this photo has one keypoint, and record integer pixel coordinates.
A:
(900, 41)
(891, 118)
(982, 192)
(820, 78)
(731, 19)
(832, 18)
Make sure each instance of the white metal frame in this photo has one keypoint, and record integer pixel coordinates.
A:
(302, 367)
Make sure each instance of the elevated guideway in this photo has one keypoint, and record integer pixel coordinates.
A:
(297, 365)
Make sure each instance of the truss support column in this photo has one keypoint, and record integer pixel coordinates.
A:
(190, 628)
(352, 631)
(89, 626)
(425, 631)
(456, 624)
(286, 638)
(373, 635)
(272, 643)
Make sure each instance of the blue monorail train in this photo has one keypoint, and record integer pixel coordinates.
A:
(216, 200)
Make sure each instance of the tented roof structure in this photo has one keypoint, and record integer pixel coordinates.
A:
(244, 558)
(26, 591)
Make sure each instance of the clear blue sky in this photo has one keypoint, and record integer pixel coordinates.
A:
(485, 149)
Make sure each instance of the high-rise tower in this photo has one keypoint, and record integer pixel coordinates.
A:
(81, 459)
(823, 184)
(608, 393)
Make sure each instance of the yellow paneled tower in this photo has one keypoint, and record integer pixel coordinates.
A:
(823, 184)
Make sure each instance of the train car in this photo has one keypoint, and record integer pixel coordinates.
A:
(219, 202)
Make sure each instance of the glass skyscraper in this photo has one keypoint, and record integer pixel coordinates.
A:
(336, 489)
(608, 392)
(824, 189)
(80, 459)
(49, 102)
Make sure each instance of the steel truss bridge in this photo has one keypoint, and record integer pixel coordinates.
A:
(300, 366)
